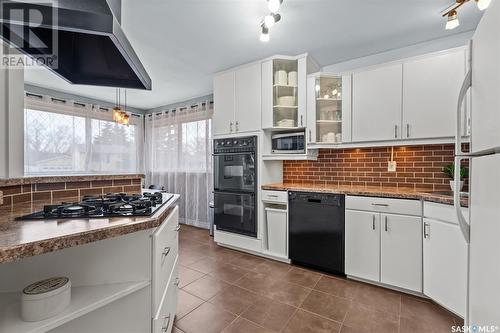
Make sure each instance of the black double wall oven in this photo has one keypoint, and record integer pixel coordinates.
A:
(235, 185)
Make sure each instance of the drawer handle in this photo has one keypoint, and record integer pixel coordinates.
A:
(166, 251)
(164, 328)
(426, 234)
(272, 195)
(380, 204)
(177, 281)
(178, 227)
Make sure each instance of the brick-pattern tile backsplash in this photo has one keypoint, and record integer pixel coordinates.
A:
(418, 167)
(66, 191)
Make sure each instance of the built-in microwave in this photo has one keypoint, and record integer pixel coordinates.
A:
(288, 143)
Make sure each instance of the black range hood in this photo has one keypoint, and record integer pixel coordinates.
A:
(84, 38)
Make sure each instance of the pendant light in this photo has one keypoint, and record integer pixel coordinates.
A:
(270, 19)
(120, 116)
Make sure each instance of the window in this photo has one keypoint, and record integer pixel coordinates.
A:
(58, 143)
(179, 158)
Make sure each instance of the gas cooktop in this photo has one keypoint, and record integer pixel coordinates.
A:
(109, 205)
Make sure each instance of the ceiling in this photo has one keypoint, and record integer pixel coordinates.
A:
(182, 43)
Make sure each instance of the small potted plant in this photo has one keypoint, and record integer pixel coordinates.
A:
(449, 170)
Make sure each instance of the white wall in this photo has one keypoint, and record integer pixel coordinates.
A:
(405, 52)
(11, 121)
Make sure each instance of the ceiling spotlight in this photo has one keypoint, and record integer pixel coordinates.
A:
(271, 19)
(264, 35)
(274, 5)
(483, 4)
(453, 21)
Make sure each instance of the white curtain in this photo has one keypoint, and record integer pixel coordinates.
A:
(179, 157)
(68, 137)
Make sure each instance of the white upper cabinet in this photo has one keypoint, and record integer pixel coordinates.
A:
(248, 98)
(284, 92)
(224, 103)
(237, 100)
(328, 109)
(430, 94)
(376, 104)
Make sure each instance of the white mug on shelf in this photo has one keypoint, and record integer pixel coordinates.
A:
(293, 79)
(280, 77)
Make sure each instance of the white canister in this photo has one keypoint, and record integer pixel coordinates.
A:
(45, 299)
(280, 77)
(293, 78)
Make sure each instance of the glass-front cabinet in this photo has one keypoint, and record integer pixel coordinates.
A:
(328, 108)
(285, 93)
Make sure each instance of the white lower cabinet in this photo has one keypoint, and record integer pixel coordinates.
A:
(401, 251)
(445, 265)
(277, 230)
(164, 319)
(385, 248)
(362, 244)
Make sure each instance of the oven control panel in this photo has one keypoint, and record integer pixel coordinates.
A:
(235, 145)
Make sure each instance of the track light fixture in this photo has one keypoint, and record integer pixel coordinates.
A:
(274, 5)
(264, 34)
(453, 21)
(270, 19)
(451, 13)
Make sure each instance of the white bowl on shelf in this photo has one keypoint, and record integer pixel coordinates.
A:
(286, 101)
(281, 77)
(44, 299)
(293, 79)
(286, 123)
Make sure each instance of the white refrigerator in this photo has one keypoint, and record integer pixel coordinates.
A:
(483, 231)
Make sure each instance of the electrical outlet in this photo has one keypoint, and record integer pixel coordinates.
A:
(391, 166)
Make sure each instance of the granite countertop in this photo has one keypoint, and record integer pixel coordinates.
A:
(385, 192)
(58, 179)
(20, 239)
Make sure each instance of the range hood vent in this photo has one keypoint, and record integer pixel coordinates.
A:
(87, 40)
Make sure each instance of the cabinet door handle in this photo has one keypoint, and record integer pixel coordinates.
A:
(380, 204)
(237, 126)
(426, 234)
(310, 136)
(301, 120)
(386, 229)
(166, 251)
(396, 131)
(178, 227)
(373, 222)
(177, 281)
(164, 327)
(407, 130)
(231, 126)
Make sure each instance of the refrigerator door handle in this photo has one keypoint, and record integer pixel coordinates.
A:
(459, 156)
(464, 226)
(458, 130)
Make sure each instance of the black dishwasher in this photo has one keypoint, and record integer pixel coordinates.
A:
(316, 230)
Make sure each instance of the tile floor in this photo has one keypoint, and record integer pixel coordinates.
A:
(222, 290)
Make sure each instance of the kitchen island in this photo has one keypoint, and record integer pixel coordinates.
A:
(124, 267)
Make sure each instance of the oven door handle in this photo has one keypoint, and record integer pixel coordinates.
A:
(252, 193)
(240, 153)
